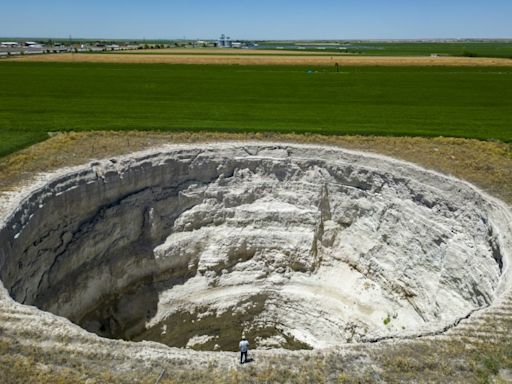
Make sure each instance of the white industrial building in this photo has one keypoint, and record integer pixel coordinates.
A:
(9, 44)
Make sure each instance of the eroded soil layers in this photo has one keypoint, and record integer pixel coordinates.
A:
(299, 246)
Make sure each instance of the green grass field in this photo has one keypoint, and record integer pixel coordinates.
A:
(369, 48)
(36, 98)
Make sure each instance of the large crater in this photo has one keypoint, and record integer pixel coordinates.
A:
(297, 246)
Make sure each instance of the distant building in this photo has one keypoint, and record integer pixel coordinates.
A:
(224, 42)
(10, 44)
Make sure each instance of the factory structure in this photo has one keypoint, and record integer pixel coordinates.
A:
(8, 48)
(17, 44)
(226, 42)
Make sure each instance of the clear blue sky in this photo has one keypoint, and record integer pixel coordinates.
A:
(257, 19)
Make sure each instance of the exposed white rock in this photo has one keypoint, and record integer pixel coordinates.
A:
(199, 340)
(309, 246)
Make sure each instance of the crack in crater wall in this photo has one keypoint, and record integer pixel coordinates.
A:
(302, 247)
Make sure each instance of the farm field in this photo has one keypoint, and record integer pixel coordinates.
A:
(218, 52)
(37, 98)
(373, 48)
(278, 57)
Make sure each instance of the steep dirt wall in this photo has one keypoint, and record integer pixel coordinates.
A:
(301, 246)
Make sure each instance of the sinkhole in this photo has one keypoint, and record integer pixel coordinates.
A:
(296, 246)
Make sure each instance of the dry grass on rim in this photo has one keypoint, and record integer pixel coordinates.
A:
(486, 164)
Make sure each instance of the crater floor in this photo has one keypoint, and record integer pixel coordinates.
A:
(298, 246)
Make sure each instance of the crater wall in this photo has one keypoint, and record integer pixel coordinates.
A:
(299, 246)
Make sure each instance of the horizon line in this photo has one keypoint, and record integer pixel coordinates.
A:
(184, 38)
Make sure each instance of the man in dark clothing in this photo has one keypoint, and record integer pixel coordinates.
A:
(244, 347)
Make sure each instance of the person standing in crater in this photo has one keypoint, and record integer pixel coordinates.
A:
(244, 347)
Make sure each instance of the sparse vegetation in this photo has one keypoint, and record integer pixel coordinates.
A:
(225, 328)
(487, 164)
(424, 361)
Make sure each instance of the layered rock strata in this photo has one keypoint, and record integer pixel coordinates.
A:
(298, 246)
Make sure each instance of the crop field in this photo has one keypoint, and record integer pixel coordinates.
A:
(471, 49)
(217, 51)
(37, 98)
(468, 48)
(277, 57)
(412, 49)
